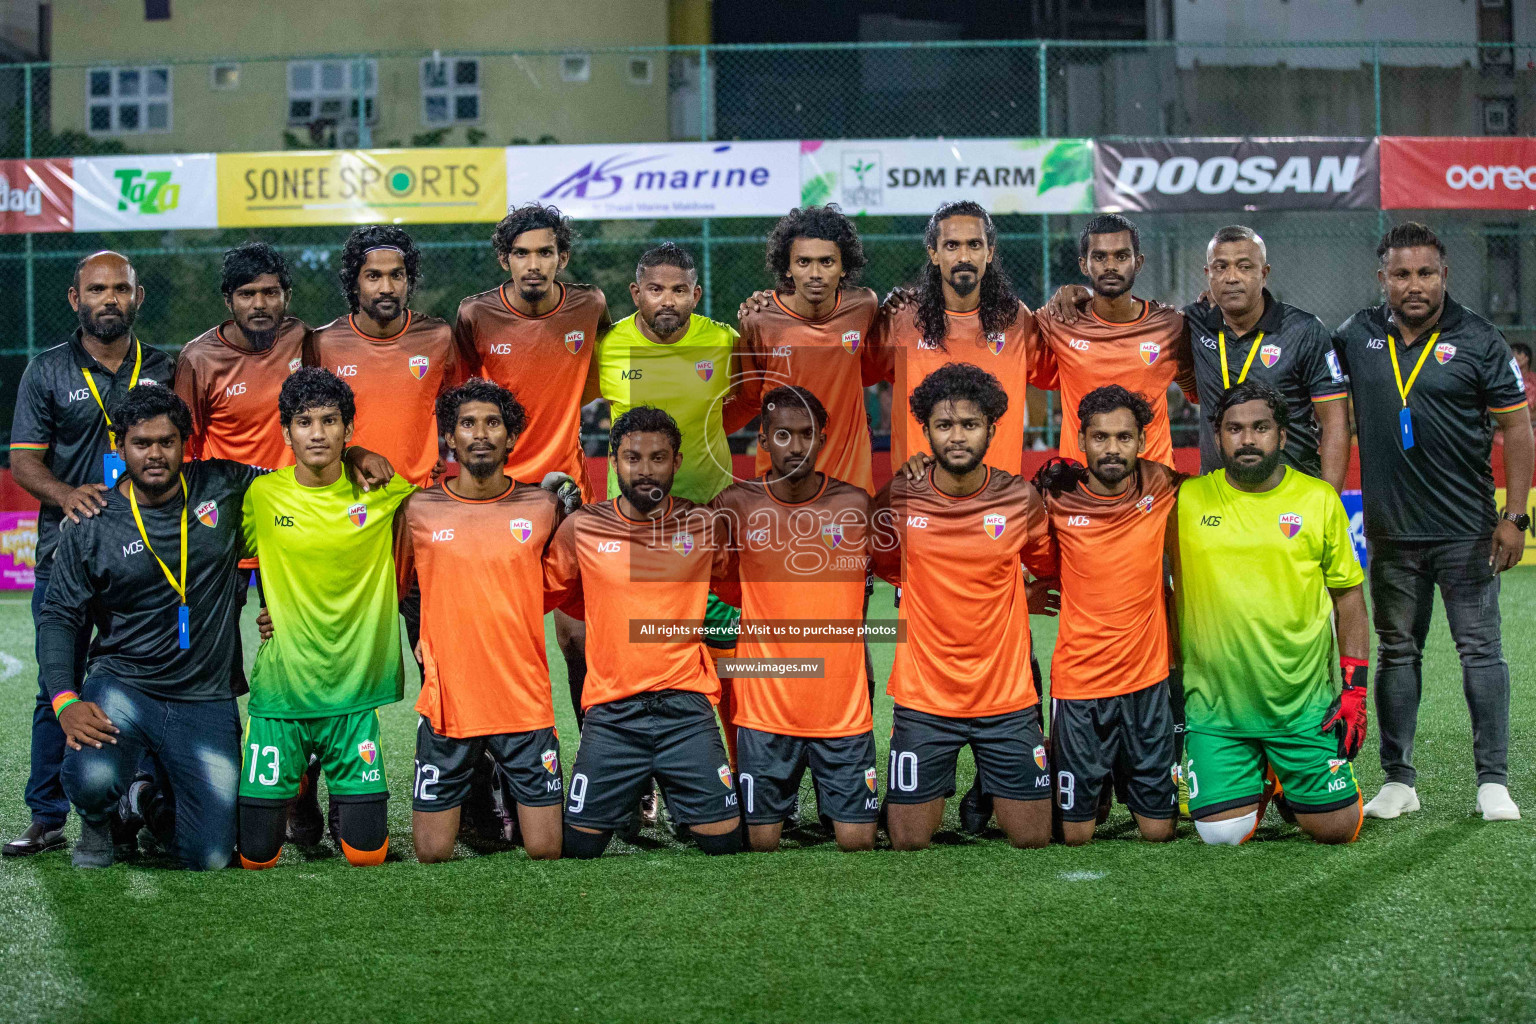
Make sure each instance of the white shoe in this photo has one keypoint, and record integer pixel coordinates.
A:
(1495, 804)
(1391, 800)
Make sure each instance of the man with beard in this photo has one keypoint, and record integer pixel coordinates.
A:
(1110, 713)
(799, 546)
(644, 561)
(1426, 435)
(1139, 344)
(1256, 643)
(63, 453)
(954, 541)
(477, 541)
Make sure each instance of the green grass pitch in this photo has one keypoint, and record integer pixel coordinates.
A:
(1429, 918)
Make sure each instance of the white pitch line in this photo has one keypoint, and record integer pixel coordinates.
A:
(9, 665)
(1082, 876)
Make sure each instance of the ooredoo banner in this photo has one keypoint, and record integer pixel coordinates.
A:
(1458, 173)
(1235, 174)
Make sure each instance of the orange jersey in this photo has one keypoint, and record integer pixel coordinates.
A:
(545, 361)
(1145, 355)
(804, 561)
(480, 567)
(899, 354)
(824, 357)
(233, 392)
(962, 594)
(396, 382)
(622, 574)
(1112, 636)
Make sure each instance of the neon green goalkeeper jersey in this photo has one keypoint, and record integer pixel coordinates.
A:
(689, 379)
(1251, 578)
(328, 575)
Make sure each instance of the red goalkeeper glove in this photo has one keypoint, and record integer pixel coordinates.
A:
(1347, 714)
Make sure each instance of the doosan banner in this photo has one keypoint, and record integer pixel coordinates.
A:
(1458, 173)
(1235, 174)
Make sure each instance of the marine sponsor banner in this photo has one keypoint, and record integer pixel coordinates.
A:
(35, 196)
(1235, 174)
(914, 176)
(1458, 173)
(648, 180)
(145, 193)
(362, 186)
(18, 550)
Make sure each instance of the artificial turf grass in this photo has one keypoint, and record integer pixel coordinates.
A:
(1432, 916)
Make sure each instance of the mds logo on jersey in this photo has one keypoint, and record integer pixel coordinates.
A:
(1079, 344)
(705, 368)
(367, 751)
(1290, 524)
(993, 523)
(851, 340)
(207, 513)
(574, 340)
(1445, 352)
(418, 365)
(358, 514)
(1150, 350)
(522, 529)
(832, 534)
(609, 547)
(1269, 355)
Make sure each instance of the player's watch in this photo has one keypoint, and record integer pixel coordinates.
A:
(1520, 519)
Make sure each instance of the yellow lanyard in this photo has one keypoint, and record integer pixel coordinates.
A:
(90, 382)
(1403, 389)
(1221, 346)
(180, 588)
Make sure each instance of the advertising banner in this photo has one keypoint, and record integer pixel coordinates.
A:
(35, 195)
(915, 176)
(361, 186)
(1354, 505)
(145, 193)
(18, 550)
(648, 180)
(1458, 173)
(1500, 498)
(1235, 174)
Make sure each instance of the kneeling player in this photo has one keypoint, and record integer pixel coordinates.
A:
(632, 567)
(1109, 675)
(953, 541)
(475, 543)
(328, 575)
(1263, 564)
(799, 542)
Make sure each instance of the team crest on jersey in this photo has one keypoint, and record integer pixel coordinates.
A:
(574, 340)
(367, 751)
(1290, 524)
(682, 543)
(1445, 352)
(851, 340)
(832, 534)
(207, 513)
(993, 523)
(1145, 504)
(724, 771)
(358, 514)
(705, 368)
(522, 529)
(869, 779)
(294, 364)
(1040, 756)
(1269, 355)
(418, 365)
(1150, 350)
(1335, 763)
(551, 762)
(995, 342)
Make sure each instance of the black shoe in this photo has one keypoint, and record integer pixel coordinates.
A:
(128, 818)
(792, 819)
(305, 822)
(38, 838)
(1283, 806)
(94, 848)
(975, 811)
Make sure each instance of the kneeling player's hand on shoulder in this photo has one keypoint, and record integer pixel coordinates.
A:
(1069, 302)
(264, 624)
(564, 489)
(898, 299)
(1044, 597)
(1348, 714)
(85, 724)
(1057, 476)
(916, 467)
(754, 303)
(368, 469)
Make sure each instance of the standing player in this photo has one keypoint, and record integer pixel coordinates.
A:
(644, 558)
(799, 540)
(1139, 344)
(1257, 642)
(63, 454)
(477, 541)
(954, 541)
(329, 580)
(535, 335)
(1110, 713)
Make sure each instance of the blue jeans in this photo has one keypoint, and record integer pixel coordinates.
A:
(197, 744)
(45, 796)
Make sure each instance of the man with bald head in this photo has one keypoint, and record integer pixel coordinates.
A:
(62, 453)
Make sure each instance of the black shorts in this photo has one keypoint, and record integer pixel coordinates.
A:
(1129, 738)
(769, 767)
(1009, 749)
(669, 734)
(528, 761)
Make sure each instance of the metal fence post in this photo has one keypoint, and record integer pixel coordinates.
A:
(709, 289)
(31, 270)
(364, 134)
(1045, 230)
(1376, 82)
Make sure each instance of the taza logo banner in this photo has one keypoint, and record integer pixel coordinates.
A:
(1235, 174)
(139, 193)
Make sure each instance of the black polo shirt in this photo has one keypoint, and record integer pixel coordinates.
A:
(55, 414)
(103, 574)
(1295, 357)
(1442, 487)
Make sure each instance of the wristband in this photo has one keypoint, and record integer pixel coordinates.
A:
(64, 699)
(1348, 666)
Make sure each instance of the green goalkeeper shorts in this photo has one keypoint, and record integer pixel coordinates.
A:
(277, 753)
(721, 624)
(1228, 771)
